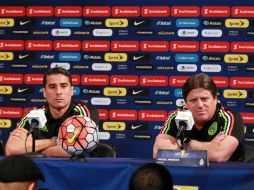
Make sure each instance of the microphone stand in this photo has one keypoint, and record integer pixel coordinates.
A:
(34, 154)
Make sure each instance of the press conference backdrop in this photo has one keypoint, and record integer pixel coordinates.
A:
(128, 58)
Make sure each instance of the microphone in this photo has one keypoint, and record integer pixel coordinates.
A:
(36, 119)
(184, 121)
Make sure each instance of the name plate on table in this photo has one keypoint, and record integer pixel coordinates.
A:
(194, 158)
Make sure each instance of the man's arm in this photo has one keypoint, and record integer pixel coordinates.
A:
(19, 143)
(55, 151)
(219, 149)
(164, 141)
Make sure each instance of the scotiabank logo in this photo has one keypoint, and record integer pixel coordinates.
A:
(220, 81)
(39, 45)
(103, 114)
(154, 46)
(123, 114)
(11, 78)
(124, 45)
(33, 78)
(247, 117)
(39, 11)
(214, 46)
(243, 11)
(67, 45)
(185, 11)
(96, 11)
(215, 11)
(68, 11)
(155, 11)
(152, 115)
(184, 46)
(153, 80)
(242, 46)
(177, 80)
(10, 112)
(124, 80)
(11, 45)
(242, 82)
(12, 11)
(75, 79)
(95, 45)
(99, 80)
(125, 11)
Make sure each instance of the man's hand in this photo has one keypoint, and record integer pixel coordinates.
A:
(20, 134)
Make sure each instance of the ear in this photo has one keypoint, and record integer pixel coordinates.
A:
(72, 90)
(32, 185)
(44, 92)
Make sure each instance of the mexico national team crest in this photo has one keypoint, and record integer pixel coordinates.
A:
(212, 129)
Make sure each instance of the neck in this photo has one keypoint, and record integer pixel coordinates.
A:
(57, 113)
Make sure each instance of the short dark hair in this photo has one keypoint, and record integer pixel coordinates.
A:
(151, 176)
(200, 80)
(54, 71)
(19, 168)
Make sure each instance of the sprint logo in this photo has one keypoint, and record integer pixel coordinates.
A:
(240, 94)
(6, 56)
(115, 57)
(237, 23)
(6, 22)
(116, 23)
(236, 58)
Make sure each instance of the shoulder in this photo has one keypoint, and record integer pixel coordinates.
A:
(231, 112)
(85, 109)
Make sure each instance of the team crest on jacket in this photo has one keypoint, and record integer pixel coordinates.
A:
(212, 129)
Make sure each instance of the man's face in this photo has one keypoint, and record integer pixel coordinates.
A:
(58, 91)
(202, 105)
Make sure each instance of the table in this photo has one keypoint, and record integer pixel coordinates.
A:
(114, 174)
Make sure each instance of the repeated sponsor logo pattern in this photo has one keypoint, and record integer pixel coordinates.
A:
(129, 61)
